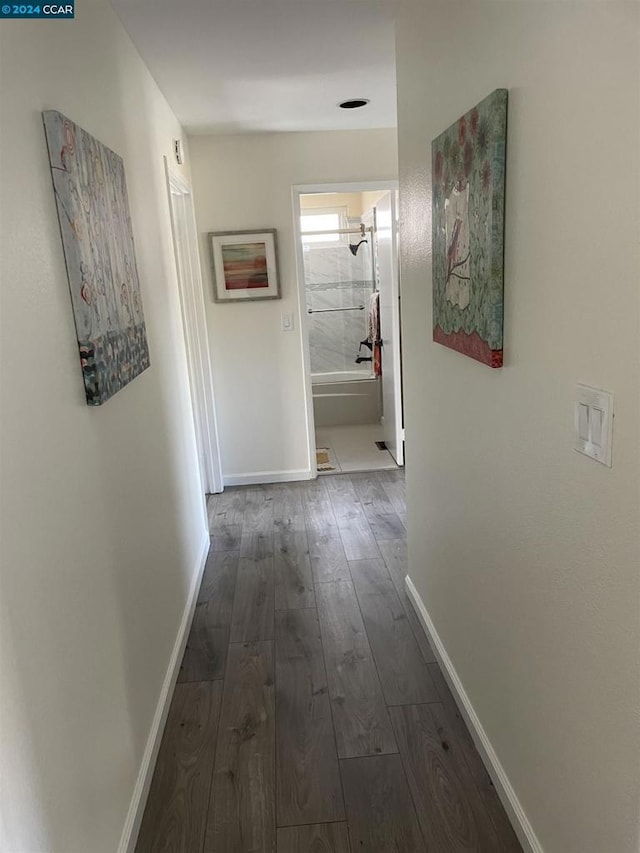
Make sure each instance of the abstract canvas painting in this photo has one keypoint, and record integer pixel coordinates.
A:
(245, 266)
(93, 211)
(468, 167)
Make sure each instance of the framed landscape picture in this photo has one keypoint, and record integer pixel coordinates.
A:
(468, 168)
(244, 265)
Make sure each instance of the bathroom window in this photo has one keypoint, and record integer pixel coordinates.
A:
(324, 219)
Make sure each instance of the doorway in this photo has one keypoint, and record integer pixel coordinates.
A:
(350, 307)
(185, 244)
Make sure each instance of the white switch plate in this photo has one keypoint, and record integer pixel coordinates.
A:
(286, 322)
(594, 423)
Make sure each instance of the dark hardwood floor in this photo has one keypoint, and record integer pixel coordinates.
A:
(310, 714)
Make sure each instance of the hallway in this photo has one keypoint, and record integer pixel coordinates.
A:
(310, 713)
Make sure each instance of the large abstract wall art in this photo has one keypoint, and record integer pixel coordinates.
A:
(468, 163)
(93, 210)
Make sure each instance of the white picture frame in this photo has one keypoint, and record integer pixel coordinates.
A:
(244, 265)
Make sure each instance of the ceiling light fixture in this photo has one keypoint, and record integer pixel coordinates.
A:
(354, 104)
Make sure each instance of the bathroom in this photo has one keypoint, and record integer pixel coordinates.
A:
(344, 259)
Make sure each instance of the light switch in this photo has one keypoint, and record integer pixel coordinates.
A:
(597, 417)
(583, 421)
(286, 322)
(594, 423)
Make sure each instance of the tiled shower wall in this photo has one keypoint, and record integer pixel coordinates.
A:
(334, 278)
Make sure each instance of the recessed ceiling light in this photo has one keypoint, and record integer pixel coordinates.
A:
(354, 103)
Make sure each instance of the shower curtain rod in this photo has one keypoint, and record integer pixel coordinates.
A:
(330, 310)
(361, 231)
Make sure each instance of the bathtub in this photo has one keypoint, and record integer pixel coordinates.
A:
(339, 378)
(346, 402)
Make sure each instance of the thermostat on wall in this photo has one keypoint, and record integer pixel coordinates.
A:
(178, 151)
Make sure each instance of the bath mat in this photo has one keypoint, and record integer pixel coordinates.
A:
(326, 460)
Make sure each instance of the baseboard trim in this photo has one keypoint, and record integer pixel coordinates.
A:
(500, 780)
(147, 766)
(258, 477)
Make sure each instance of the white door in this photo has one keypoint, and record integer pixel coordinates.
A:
(388, 283)
(195, 331)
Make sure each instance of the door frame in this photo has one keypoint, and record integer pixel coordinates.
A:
(394, 370)
(196, 337)
(303, 319)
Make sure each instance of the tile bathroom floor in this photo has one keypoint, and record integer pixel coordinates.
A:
(310, 713)
(355, 447)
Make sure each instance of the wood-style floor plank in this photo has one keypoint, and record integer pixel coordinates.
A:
(380, 811)
(317, 506)
(358, 540)
(218, 586)
(227, 508)
(328, 560)
(394, 554)
(257, 545)
(308, 788)
(226, 537)
(175, 816)
(370, 577)
(386, 526)
(258, 512)
(403, 671)
(241, 816)
(360, 715)
(372, 495)
(508, 839)
(211, 500)
(317, 838)
(293, 578)
(288, 512)
(393, 484)
(345, 501)
(253, 604)
(206, 649)
(450, 811)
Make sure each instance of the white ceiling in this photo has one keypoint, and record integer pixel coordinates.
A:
(242, 66)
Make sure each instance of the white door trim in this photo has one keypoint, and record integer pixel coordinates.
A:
(304, 333)
(196, 336)
(345, 187)
(389, 286)
(303, 317)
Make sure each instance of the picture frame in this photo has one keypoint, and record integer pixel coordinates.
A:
(468, 204)
(244, 265)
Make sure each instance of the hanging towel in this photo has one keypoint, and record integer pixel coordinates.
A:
(373, 332)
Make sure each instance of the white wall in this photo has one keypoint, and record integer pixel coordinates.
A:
(244, 182)
(527, 554)
(102, 517)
